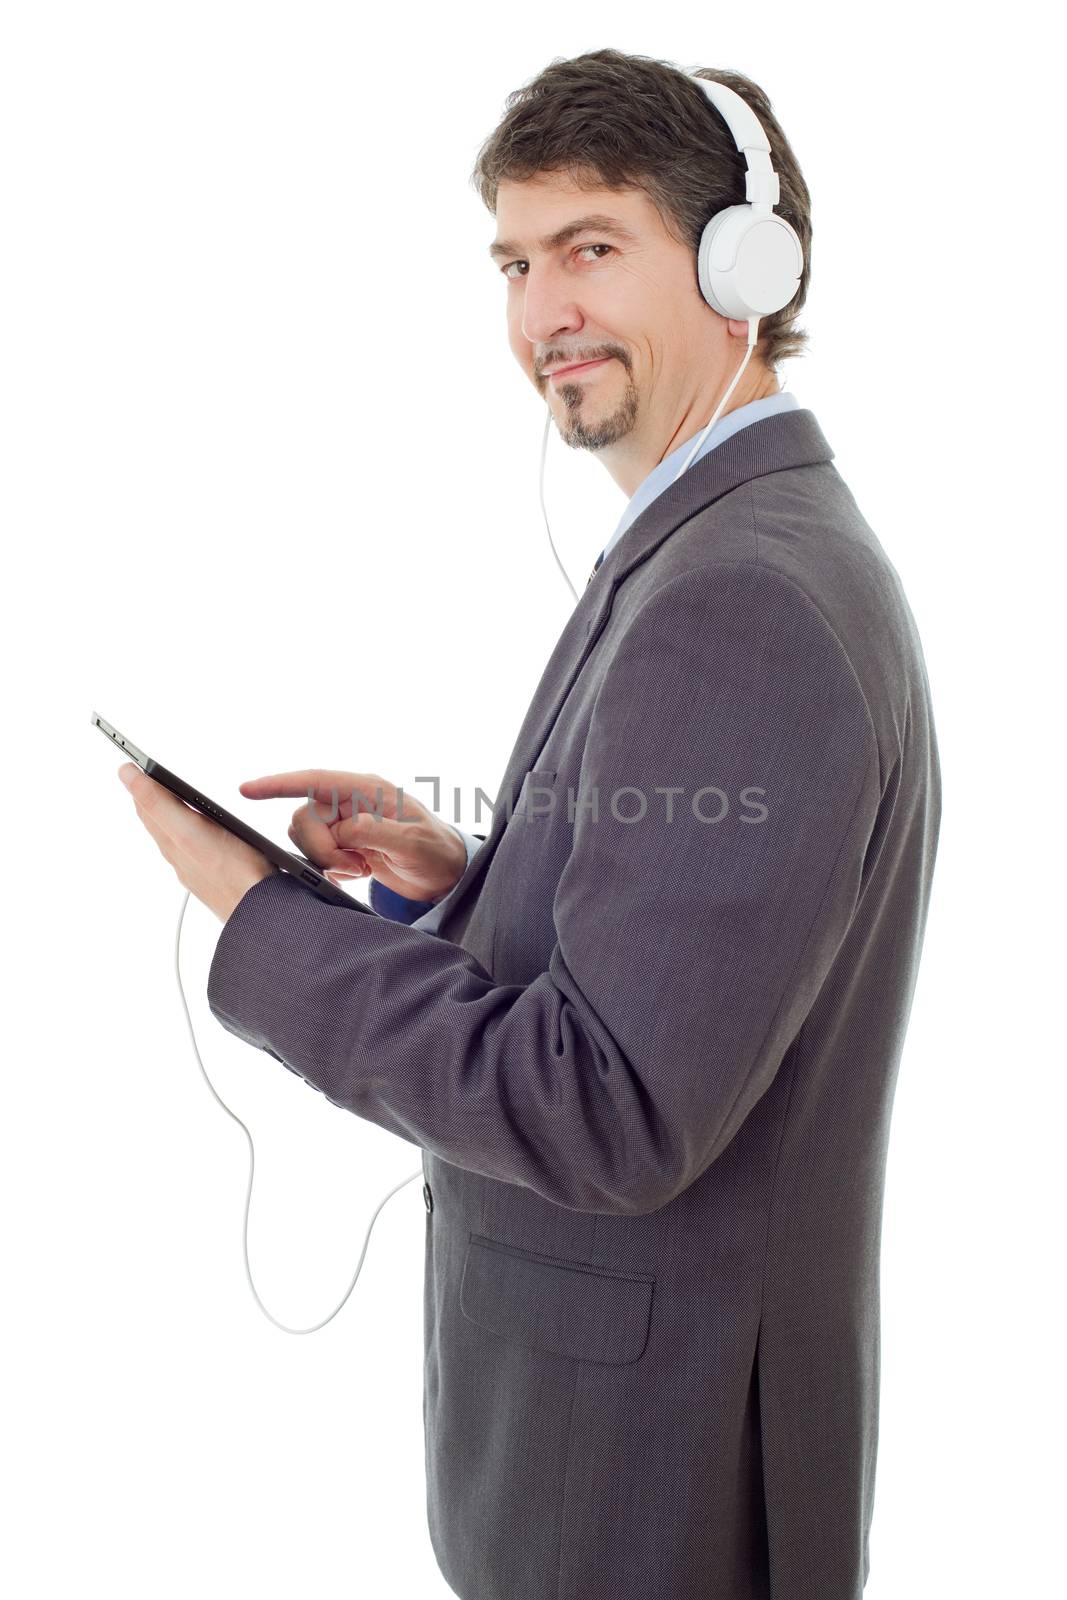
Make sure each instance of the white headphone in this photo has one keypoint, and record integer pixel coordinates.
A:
(749, 261)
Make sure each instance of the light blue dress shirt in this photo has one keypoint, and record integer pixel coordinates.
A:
(423, 913)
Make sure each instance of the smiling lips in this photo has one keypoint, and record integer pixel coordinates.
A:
(582, 367)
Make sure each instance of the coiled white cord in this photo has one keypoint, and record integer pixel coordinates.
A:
(252, 1161)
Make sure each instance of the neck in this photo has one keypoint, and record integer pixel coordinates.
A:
(641, 456)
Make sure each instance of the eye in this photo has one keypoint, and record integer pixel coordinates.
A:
(506, 269)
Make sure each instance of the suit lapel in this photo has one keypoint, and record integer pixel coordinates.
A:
(789, 439)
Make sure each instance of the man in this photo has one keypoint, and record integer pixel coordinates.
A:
(650, 1054)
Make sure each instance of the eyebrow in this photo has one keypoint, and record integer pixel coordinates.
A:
(596, 223)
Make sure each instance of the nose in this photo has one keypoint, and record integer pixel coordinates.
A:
(548, 311)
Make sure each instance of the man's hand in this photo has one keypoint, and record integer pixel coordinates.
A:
(210, 861)
(420, 856)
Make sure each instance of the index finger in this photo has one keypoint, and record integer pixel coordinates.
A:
(312, 780)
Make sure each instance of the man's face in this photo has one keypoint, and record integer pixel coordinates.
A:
(629, 299)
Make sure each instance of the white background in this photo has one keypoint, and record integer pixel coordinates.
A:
(270, 498)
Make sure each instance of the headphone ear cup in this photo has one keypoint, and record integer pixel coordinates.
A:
(749, 262)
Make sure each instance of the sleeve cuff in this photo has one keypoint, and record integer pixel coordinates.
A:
(398, 907)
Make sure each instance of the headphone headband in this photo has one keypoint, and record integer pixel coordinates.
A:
(750, 260)
(749, 137)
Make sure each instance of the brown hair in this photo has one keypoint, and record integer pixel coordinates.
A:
(619, 121)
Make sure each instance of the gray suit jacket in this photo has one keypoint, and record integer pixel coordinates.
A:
(651, 1063)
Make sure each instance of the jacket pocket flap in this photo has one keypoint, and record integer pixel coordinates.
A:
(566, 1308)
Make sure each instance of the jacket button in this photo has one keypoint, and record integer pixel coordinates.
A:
(427, 1195)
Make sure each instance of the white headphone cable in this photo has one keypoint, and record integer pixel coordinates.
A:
(252, 1161)
(753, 325)
(541, 493)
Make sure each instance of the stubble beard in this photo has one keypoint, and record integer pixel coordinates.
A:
(582, 428)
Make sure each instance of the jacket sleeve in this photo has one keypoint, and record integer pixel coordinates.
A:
(688, 951)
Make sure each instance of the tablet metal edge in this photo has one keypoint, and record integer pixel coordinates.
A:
(124, 744)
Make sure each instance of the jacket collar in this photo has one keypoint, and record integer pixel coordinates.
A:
(789, 439)
(664, 473)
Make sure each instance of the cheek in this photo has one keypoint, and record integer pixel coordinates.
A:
(520, 345)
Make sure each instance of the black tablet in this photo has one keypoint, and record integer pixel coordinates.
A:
(286, 860)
